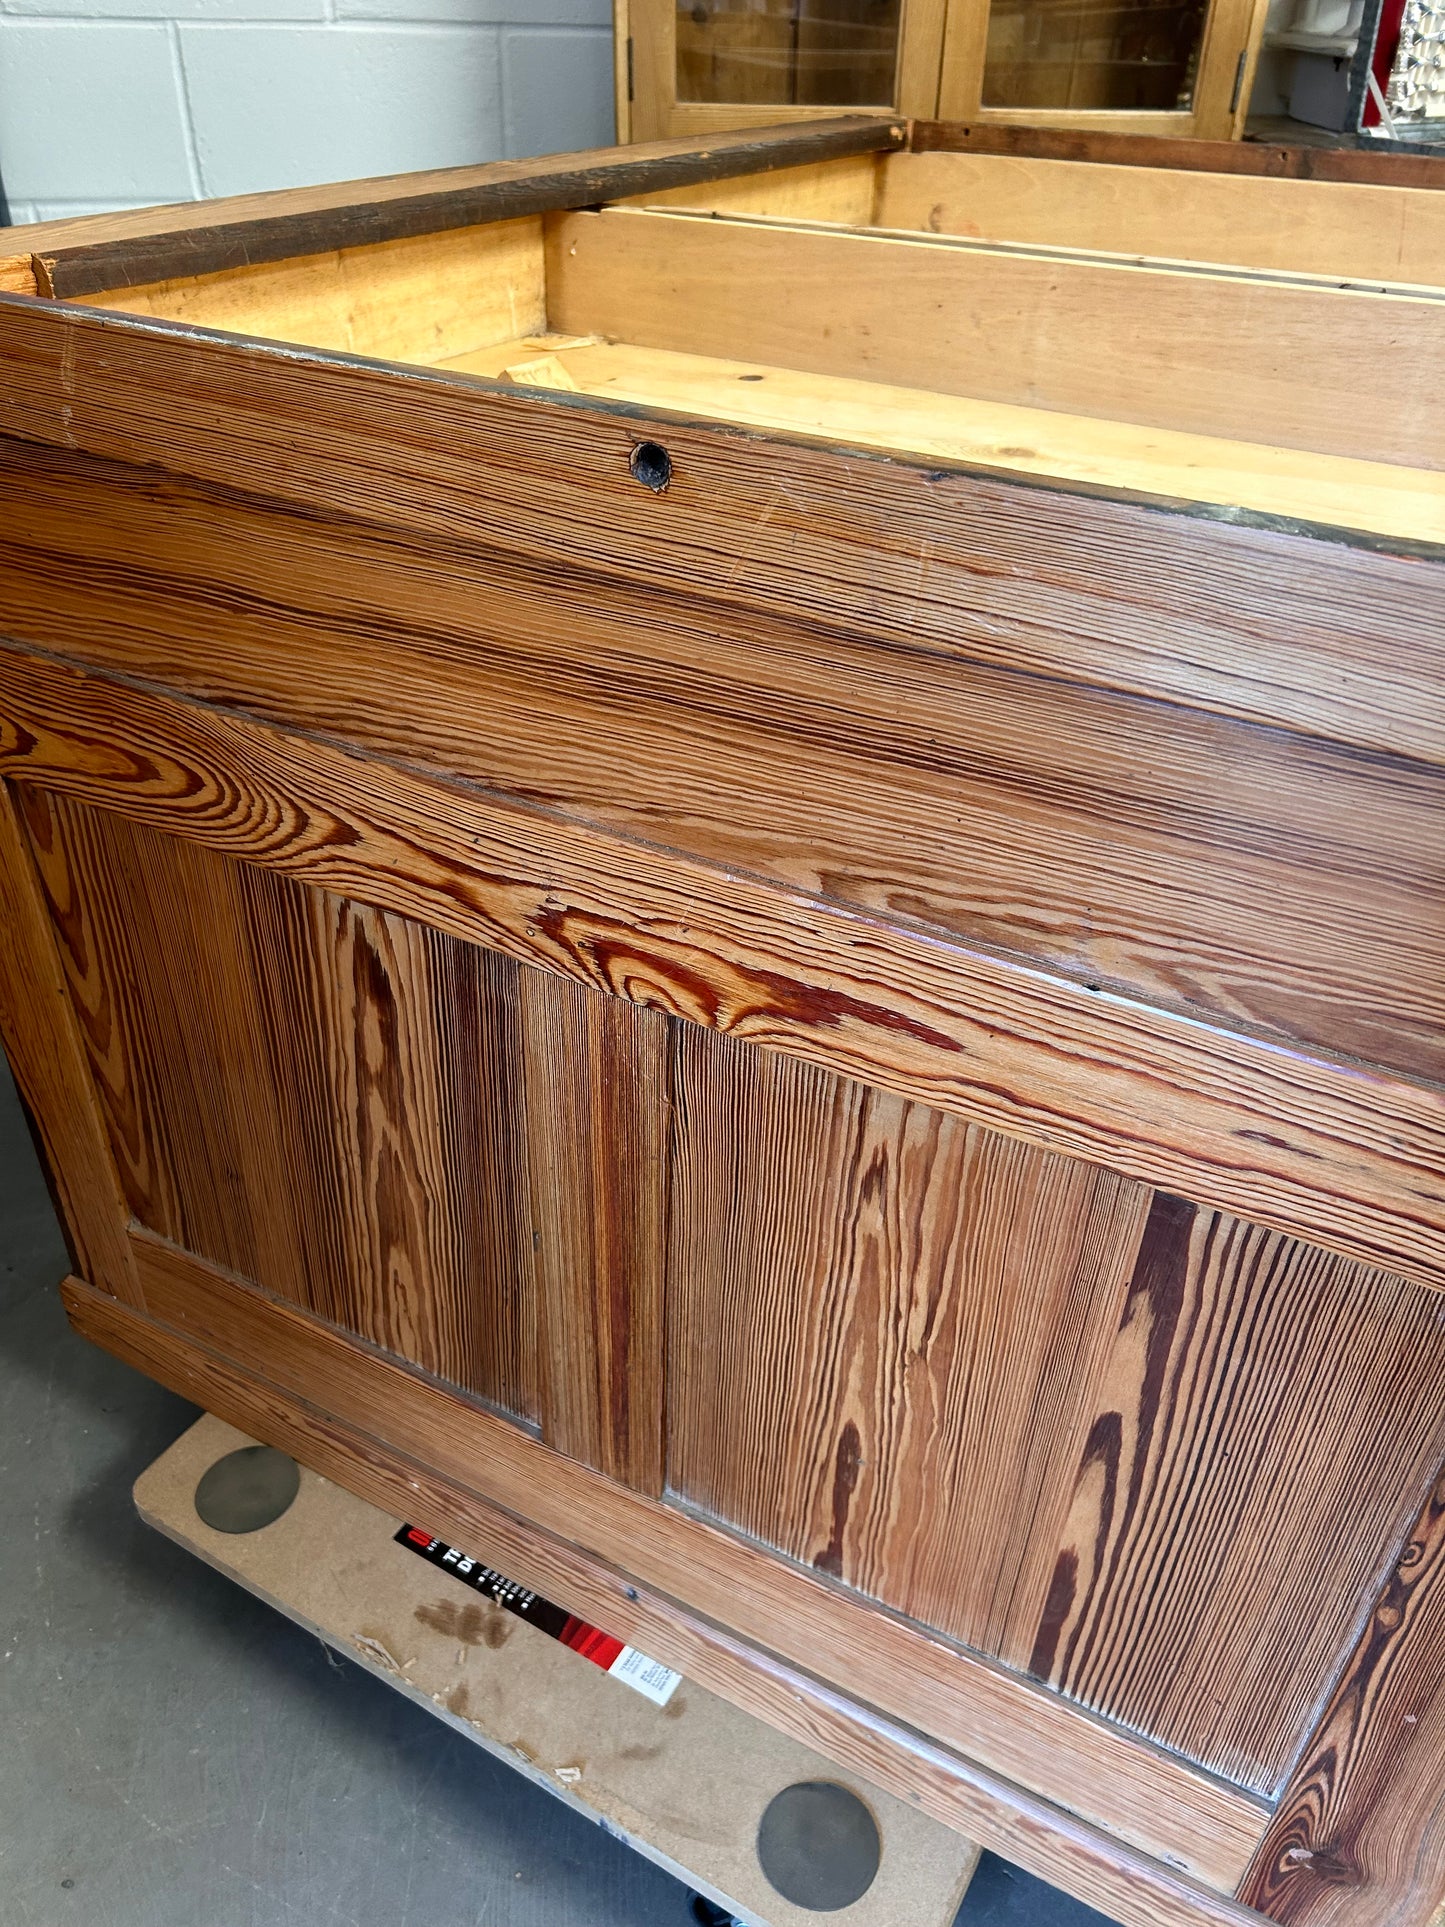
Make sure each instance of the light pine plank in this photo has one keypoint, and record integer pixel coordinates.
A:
(1209, 352)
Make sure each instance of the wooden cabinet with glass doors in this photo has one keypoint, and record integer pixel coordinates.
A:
(1178, 67)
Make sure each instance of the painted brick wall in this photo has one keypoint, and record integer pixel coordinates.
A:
(123, 103)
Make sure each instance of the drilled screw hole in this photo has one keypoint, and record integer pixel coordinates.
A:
(652, 466)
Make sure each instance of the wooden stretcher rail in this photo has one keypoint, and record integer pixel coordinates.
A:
(157, 244)
(1207, 351)
(1348, 1157)
(1355, 232)
(1359, 165)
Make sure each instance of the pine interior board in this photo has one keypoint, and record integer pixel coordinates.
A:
(1356, 231)
(1208, 351)
(685, 1784)
(416, 299)
(1376, 497)
(1146, 1452)
(1025, 814)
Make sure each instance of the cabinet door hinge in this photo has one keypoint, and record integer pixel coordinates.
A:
(629, 66)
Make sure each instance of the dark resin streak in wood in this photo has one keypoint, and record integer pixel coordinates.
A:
(856, 1375)
(1359, 1834)
(1268, 1413)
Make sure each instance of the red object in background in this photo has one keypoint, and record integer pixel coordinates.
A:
(1387, 39)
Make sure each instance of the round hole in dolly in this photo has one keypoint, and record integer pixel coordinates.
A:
(246, 1490)
(818, 1845)
(651, 465)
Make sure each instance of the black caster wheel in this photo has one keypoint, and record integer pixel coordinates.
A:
(707, 1914)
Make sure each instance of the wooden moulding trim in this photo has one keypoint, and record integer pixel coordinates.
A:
(1130, 1887)
(1139, 1793)
(1336, 637)
(1347, 1156)
(275, 228)
(1344, 164)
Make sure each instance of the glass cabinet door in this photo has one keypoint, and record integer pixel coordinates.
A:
(1120, 66)
(789, 53)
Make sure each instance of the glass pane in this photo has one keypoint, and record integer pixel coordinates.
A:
(788, 53)
(1093, 53)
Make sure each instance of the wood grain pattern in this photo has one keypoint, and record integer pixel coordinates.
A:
(1368, 496)
(1357, 231)
(1264, 1428)
(885, 1325)
(1329, 1151)
(410, 300)
(1209, 867)
(1045, 1838)
(78, 257)
(597, 1164)
(1012, 1726)
(1359, 1834)
(1337, 638)
(319, 1096)
(1206, 350)
(1345, 164)
(41, 1034)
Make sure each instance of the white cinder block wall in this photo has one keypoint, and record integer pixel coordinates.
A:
(123, 103)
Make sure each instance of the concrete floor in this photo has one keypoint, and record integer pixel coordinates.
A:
(178, 1755)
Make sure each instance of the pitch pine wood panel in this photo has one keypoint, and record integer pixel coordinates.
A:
(884, 1327)
(1133, 1887)
(1264, 1427)
(319, 1096)
(924, 1360)
(1342, 639)
(597, 1168)
(1359, 1833)
(1349, 1159)
(1202, 864)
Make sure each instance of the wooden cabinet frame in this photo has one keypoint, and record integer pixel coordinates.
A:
(508, 878)
(940, 74)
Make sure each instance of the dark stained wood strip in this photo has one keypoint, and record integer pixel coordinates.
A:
(885, 1331)
(1200, 864)
(277, 227)
(1330, 1151)
(42, 1036)
(1357, 164)
(1359, 1834)
(1267, 1422)
(597, 1079)
(1337, 638)
(1142, 1794)
(1043, 1837)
